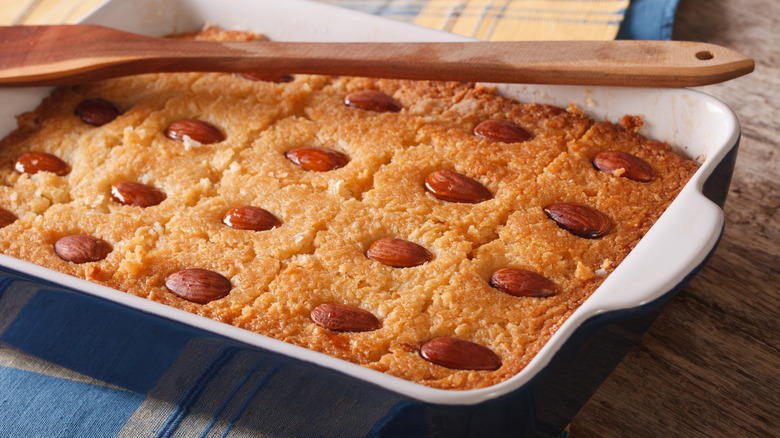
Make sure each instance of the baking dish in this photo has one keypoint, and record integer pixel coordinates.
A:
(545, 395)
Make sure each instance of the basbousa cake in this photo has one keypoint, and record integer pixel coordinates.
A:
(434, 231)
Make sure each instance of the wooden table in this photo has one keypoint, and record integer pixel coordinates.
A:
(710, 364)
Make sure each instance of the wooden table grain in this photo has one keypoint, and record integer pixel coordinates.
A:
(709, 366)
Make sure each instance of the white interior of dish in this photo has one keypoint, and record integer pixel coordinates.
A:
(695, 124)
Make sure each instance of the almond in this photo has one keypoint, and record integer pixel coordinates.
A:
(398, 253)
(136, 194)
(34, 162)
(502, 131)
(580, 220)
(522, 283)
(455, 187)
(250, 218)
(372, 100)
(344, 318)
(198, 285)
(97, 112)
(266, 77)
(624, 164)
(198, 130)
(82, 248)
(459, 354)
(317, 159)
(6, 218)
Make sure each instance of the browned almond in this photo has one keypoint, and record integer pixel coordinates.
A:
(82, 248)
(317, 159)
(398, 253)
(198, 130)
(459, 354)
(624, 164)
(580, 220)
(372, 100)
(251, 218)
(501, 130)
(6, 218)
(455, 187)
(267, 77)
(344, 318)
(522, 283)
(137, 194)
(198, 285)
(34, 162)
(97, 112)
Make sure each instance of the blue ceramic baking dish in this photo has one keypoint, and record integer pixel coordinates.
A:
(298, 392)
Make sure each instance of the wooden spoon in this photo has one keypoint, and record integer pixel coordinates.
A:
(71, 54)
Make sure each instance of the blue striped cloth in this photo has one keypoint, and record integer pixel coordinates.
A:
(72, 365)
(75, 366)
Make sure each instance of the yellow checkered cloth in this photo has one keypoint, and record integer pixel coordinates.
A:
(505, 19)
(484, 19)
(526, 19)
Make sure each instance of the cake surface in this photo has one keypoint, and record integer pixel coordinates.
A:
(434, 231)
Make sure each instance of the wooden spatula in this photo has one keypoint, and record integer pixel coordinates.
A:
(70, 54)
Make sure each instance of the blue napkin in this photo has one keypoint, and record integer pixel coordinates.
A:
(648, 20)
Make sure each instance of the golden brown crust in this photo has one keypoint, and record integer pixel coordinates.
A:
(329, 219)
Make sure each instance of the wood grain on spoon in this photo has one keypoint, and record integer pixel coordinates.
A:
(71, 54)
